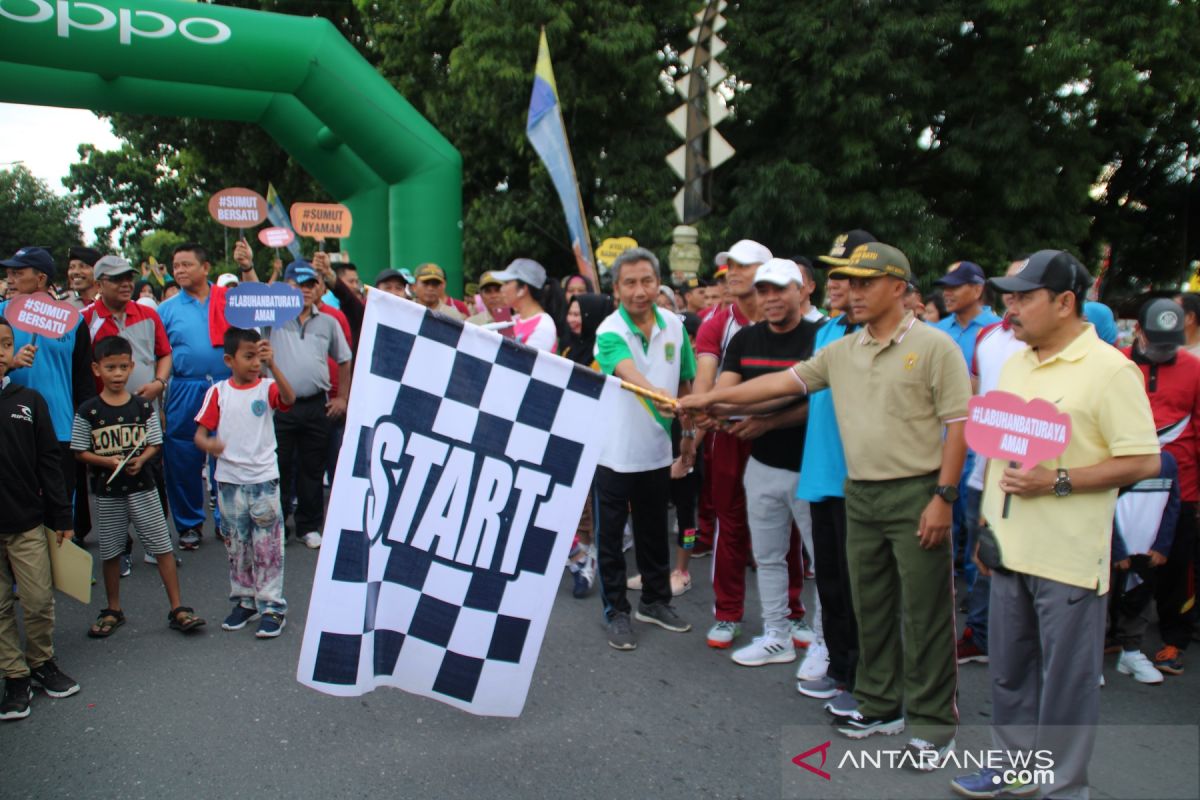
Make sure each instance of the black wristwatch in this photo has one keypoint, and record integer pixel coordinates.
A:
(246, 269)
(1062, 486)
(947, 493)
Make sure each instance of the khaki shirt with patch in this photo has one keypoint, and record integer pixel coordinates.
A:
(892, 398)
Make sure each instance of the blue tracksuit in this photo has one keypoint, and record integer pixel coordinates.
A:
(196, 365)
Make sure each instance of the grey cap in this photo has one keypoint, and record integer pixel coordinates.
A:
(525, 270)
(112, 266)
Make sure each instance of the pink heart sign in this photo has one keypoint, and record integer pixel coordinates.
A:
(1001, 425)
(40, 314)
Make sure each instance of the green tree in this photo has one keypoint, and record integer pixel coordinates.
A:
(34, 215)
(468, 66)
(965, 129)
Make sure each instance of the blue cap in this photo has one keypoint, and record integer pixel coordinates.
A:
(300, 272)
(38, 258)
(1102, 319)
(961, 273)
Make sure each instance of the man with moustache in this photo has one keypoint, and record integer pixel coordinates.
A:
(81, 278)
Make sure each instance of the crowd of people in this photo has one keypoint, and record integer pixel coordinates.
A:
(795, 440)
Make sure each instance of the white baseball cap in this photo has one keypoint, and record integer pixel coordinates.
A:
(746, 251)
(779, 271)
(525, 270)
(227, 279)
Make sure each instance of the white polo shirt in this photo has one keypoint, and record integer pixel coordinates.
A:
(996, 344)
(641, 437)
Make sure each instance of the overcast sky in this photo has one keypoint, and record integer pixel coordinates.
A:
(46, 140)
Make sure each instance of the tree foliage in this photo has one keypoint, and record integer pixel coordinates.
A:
(34, 216)
(953, 129)
(967, 129)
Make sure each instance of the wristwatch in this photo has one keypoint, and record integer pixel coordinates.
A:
(1062, 486)
(947, 493)
(688, 434)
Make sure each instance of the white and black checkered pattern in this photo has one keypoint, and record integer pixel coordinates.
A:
(388, 613)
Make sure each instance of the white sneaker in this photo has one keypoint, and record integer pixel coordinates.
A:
(802, 634)
(815, 663)
(722, 634)
(149, 559)
(1135, 663)
(767, 649)
(312, 540)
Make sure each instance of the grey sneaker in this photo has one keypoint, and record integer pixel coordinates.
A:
(620, 632)
(843, 704)
(822, 688)
(662, 615)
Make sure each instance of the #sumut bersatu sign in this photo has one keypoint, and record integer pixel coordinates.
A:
(464, 468)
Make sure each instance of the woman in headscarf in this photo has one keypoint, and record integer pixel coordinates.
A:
(585, 312)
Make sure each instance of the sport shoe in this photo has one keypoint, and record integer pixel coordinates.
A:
(634, 584)
(126, 565)
(843, 704)
(822, 688)
(189, 539)
(271, 625)
(680, 582)
(582, 580)
(723, 633)
(149, 559)
(17, 695)
(1135, 663)
(238, 618)
(856, 726)
(815, 663)
(1168, 660)
(989, 783)
(662, 615)
(766, 649)
(312, 540)
(620, 632)
(53, 681)
(927, 756)
(968, 651)
(802, 633)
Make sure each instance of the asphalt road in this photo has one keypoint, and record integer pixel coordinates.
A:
(220, 715)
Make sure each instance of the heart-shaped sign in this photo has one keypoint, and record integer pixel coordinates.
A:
(276, 237)
(1001, 425)
(41, 315)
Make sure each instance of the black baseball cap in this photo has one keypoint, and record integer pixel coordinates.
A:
(1056, 270)
(1162, 321)
(38, 258)
(391, 274)
(844, 245)
(962, 273)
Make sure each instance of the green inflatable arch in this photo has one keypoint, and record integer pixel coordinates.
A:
(297, 77)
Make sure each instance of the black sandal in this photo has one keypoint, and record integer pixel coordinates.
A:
(188, 622)
(108, 621)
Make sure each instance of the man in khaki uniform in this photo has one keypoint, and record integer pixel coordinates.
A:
(900, 392)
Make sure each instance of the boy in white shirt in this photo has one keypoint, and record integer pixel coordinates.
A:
(240, 411)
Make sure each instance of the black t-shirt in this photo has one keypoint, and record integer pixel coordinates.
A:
(116, 431)
(757, 350)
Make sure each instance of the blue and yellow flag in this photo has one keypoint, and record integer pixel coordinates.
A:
(279, 217)
(548, 134)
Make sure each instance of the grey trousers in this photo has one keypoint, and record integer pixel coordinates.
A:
(1046, 650)
(771, 508)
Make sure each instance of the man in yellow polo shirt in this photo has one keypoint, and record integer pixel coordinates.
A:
(900, 394)
(1048, 599)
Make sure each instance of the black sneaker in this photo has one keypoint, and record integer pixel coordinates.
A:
(53, 681)
(857, 726)
(662, 615)
(238, 618)
(620, 632)
(17, 694)
(126, 565)
(189, 539)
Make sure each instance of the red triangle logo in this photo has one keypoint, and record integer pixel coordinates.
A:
(823, 749)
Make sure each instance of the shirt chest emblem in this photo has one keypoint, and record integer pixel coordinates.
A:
(910, 361)
(669, 352)
(258, 407)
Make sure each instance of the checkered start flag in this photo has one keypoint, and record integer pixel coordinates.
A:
(464, 468)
